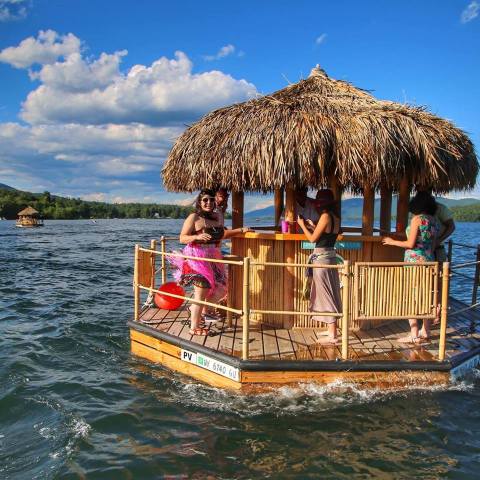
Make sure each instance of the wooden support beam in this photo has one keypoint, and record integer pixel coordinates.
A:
(385, 210)
(237, 209)
(368, 210)
(278, 202)
(336, 188)
(402, 205)
(290, 209)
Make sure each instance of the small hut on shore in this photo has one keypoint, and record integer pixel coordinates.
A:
(29, 217)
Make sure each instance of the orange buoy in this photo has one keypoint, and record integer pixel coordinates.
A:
(169, 303)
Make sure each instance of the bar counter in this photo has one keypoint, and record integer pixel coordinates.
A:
(280, 287)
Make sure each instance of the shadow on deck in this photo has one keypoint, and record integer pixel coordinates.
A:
(269, 343)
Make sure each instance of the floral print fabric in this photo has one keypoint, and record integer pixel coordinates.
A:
(424, 249)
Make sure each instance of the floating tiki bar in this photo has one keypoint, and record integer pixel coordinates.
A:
(317, 133)
(314, 134)
(29, 217)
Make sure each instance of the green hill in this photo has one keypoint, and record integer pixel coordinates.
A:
(463, 208)
(60, 208)
(467, 213)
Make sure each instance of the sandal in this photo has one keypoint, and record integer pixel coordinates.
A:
(200, 331)
(411, 339)
(328, 341)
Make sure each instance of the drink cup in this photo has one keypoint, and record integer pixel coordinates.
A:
(284, 226)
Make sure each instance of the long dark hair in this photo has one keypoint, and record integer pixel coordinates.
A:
(422, 202)
(198, 204)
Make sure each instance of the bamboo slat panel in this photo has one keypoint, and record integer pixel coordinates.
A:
(394, 291)
(266, 282)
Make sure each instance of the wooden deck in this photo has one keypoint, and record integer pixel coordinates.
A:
(268, 343)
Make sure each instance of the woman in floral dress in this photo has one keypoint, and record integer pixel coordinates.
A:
(420, 247)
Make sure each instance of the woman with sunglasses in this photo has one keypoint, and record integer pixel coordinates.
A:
(202, 231)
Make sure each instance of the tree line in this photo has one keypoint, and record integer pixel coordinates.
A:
(467, 213)
(61, 208)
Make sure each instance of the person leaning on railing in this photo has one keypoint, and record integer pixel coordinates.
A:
(202, 231)
(444, 217)
(420, 247)
(325, 288)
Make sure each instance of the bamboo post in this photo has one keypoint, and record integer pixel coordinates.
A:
(229, 297)
(278, 202)
(289, 256)
(237, 209)
(345, 309)
(164, 266)
(153, 261)
(476, 278)
(336, 189)
(136, 289)
(444, 311)
(367, 221)
(385, 209)
(368, 210)
(246, 308)
(402, 205)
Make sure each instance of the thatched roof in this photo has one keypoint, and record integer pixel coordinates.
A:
(316, 128)
(29, 211)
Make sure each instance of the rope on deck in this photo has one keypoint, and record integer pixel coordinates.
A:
(471, 307)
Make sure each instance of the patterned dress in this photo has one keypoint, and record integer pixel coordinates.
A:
(424, 248)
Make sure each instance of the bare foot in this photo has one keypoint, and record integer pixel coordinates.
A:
(422, 334)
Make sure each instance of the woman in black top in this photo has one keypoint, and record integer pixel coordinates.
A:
(325, 291)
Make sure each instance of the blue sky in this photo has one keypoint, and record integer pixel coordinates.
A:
(94, 93)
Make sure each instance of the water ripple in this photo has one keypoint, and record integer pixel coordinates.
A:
(75, 404)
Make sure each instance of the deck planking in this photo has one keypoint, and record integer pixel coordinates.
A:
(269, 343)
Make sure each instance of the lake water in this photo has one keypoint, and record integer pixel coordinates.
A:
(74, 403)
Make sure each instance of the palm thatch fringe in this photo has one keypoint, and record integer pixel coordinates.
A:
(316, 128)
(29, 211)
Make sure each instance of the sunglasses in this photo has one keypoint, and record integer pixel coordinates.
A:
(207, 199)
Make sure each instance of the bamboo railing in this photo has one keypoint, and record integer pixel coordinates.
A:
(372, 291)
(455, 267)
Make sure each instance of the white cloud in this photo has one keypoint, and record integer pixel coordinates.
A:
(95, 131)
(96, 92)
(13, 10)
(46, 48)
(76, 75)
(321, 39)
(225, 51)
(470, 12)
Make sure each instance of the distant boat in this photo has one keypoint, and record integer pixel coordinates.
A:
(29, 218)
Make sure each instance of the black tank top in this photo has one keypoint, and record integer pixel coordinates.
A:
(215, 231)
(327, 240)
